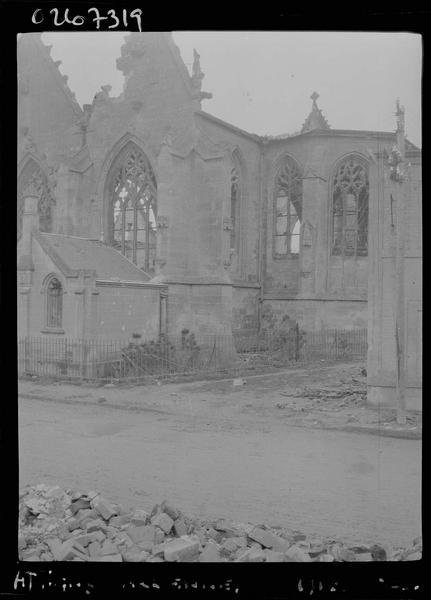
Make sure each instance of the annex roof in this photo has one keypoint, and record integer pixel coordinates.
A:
(72, 254)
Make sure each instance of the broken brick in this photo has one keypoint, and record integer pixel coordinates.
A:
(230, 545)
(326, 558)
(94, 548)
(217, 536)
(143, 533)
(84, 539)
(378, 552)
(159, 536)
(147, 546)
(210, 553)
(183, 549)
(170, 510)
(140, 515)
(85, 513)
(163, 521)
(296, 554)
(98, 535)
(94, 525)
(158, 549)
(104, 508)
(74, 524)
(272, 556)
(268, 539)
(180, 527)
(130, 556)
(117, 521)
(78, 505)
(108, 548)
(252, 555)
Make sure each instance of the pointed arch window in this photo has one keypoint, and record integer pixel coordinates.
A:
(234, 208)
(133, 205)
(54, 304)
(33, 179)
(287, 209)
(350, 197)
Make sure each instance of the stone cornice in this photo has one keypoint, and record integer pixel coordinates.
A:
(130, 284)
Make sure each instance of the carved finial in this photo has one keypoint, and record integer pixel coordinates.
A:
(314, 97)
(196, 63)
(197, 76)
(315, 119)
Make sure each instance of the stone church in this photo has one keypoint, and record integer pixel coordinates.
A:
(145, 213)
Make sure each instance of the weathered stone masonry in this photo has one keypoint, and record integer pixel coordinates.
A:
(229, 223)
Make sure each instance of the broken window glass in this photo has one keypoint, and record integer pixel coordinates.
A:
(287, 209)
(350, 208)
(134, 207)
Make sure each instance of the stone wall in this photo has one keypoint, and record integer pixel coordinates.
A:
(317, 315)
(119, 310)
(382, 294)
(32, 304)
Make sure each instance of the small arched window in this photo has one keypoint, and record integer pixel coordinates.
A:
(54, 304)
(350, 191)
(133, 198)
(287, 209)
(234, 208)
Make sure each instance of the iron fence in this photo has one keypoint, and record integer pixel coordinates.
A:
(136, 360)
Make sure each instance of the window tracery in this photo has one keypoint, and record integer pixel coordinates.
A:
(350, 196)
(133, 193)
(287, 209)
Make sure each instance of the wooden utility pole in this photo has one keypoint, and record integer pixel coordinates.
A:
(399, 177)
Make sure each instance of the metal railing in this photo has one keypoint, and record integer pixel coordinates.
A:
(136, 360)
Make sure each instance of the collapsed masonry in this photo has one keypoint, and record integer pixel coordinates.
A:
(67, 525)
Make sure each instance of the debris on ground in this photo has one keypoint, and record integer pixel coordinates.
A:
(69, 525)
(342, 403)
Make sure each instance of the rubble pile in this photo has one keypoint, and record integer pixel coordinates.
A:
(67, 525)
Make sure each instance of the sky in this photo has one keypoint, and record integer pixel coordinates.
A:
(262, 81)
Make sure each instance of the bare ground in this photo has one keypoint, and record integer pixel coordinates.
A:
(257, 452)
(318, 396)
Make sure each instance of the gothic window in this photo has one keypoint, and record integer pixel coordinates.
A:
(133, 194)
(234, 208)
(350, 208)
(54, 304)
(287, 209)
(33, 180)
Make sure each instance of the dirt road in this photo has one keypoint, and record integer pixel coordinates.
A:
(346, 485)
